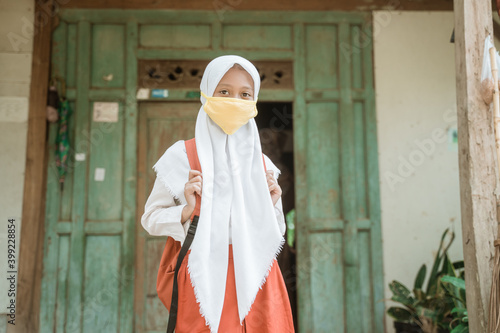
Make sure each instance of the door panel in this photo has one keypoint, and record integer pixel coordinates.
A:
(86, 283)
(339, 242)
(160, 126)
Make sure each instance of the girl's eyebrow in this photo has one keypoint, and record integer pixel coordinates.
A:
(229, 85)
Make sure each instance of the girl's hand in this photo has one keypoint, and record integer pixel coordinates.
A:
(274, 188)
(191, 189)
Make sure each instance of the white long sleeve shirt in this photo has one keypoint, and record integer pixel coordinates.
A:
(162, 216)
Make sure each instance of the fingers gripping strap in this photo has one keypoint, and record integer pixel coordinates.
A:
(194, 163)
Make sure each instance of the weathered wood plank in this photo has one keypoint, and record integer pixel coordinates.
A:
(323, 152)
(77, 244)
(225, 6)
(327, 289)
(163, 54)
(101, 294)
(304, 300)
(32, 230)
(104, 198)
(53, 204)
(108, 56)
(216, 35)
(251, 36)
(321, 43)
(62, 280)
(127, 268)
(99, 94)
(348, 190)
(191, 36)
(50, 252)
(208, 16)
(476, 156)
(142, 195)
(71, 56)
(372, 184)
(366, 312)
(93, 228)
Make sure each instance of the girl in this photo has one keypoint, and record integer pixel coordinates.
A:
(230, 280)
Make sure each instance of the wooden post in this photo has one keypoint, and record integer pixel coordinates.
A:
(32, 223)
(477, 158)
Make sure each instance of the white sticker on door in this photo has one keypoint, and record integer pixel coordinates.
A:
(99, 174)
(106, 112)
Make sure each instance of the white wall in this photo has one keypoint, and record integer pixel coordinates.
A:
(16, 45)
(416, 107)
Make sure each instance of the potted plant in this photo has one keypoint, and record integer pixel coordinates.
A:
(429, 309)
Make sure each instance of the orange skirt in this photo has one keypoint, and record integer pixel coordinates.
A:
(270, 312)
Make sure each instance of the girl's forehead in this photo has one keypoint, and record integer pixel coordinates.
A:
(237, 76)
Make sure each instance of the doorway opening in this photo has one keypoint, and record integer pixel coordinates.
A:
(275, 124)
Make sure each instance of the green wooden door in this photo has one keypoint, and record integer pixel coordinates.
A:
(160, 126)
(339, 263)
(88, 273)
(97, 273)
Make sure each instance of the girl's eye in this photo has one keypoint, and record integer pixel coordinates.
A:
(224, 92)
(245, 94)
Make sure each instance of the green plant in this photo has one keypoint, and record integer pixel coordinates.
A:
(431, 307)
(455, 289)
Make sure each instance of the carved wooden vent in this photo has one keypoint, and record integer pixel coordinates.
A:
(186, 74)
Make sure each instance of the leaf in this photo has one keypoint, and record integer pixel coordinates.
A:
(451, 297)
(459, 311)
(399, 314)
(433, 314)
(448, 267)
(432, 283)
(460, 329)
(457, 282)
(401, 294)
(419, 295)
(419, 280)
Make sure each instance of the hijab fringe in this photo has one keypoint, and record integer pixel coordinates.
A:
(268, 270)
(160, 176)
(270, 266)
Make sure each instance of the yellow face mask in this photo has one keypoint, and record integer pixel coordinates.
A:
(229, 113)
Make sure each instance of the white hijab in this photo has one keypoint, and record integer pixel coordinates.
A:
(234, 187)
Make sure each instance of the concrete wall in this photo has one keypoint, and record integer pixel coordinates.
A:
(416, 112)
(16, 45)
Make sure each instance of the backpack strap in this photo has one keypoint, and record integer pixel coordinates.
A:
(194, 162)
(195, 165)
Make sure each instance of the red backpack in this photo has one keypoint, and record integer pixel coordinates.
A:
(173, 254)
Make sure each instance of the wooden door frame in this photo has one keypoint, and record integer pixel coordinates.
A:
(35, 177)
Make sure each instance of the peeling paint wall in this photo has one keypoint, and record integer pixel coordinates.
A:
(416, 115)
